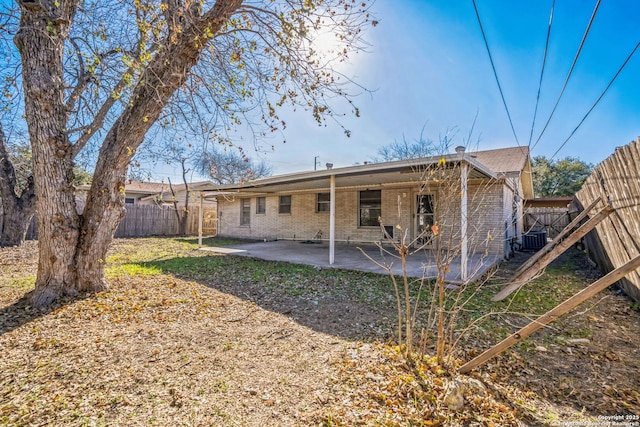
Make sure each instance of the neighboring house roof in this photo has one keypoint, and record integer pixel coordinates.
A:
(177, 188)
(193, 186)
(152, 189)
(135, 187)
(509, 160)
(141, 187)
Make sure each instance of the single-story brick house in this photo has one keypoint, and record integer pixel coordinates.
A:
(474, 200)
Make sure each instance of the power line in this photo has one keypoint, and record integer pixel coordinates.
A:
(544, 61)
(566, 81)
(597, 100)
(486, 43)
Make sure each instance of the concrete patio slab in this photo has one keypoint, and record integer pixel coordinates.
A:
(223, 250)
(349, 257)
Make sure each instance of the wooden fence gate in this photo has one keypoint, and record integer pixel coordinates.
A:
(551, 220)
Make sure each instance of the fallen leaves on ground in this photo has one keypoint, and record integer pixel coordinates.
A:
(185, 338)
(378, 386)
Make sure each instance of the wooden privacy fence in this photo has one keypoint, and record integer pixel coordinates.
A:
(153, 220)
(616, 240)
(148, 220)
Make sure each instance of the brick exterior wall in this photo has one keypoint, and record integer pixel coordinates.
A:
(485, 230)
(489, 206)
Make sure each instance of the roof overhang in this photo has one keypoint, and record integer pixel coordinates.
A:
(375, 174)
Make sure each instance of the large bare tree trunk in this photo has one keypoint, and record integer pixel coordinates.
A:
(17, 213)
(17, 210)
(105, 204)
(72, 247)
(43, 28)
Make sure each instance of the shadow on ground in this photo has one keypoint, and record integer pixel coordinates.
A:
(362, 306)
(352, 305)
(21, 313)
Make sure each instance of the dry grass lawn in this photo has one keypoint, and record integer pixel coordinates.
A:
(184, 337)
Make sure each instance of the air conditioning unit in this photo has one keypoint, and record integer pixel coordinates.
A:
(534, 240)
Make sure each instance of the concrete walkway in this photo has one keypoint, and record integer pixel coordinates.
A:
(349, 257)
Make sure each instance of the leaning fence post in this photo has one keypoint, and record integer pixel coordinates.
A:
(553, 314)
(523, 277)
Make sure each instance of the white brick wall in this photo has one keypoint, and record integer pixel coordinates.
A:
(487, 206)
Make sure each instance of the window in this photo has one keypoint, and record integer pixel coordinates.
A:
(261, 205)
(285, 205)
(129, 200)
(323, 202)
(245, 211)
(370, 208)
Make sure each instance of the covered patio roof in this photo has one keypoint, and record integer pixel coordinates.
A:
(387, 173)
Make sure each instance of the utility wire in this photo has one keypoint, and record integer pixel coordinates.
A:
(486, 43)
(597, 100)
(544, 61)
(566, 81)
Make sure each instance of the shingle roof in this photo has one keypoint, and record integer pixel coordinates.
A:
(145, 187)
(503, 160)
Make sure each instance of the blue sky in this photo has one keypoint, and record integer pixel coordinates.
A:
(428, 66)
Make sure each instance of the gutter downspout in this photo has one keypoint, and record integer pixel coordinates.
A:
(332, 219)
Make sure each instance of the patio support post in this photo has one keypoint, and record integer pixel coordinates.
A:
(464, 175)
(332, 219)
(200, 214)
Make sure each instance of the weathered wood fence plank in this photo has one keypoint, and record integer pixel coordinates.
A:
(616, 240)
(551, 220)
(568, 228)
(152, 220)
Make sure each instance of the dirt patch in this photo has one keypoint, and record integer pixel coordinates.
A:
(328, 306)
(186, 338)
